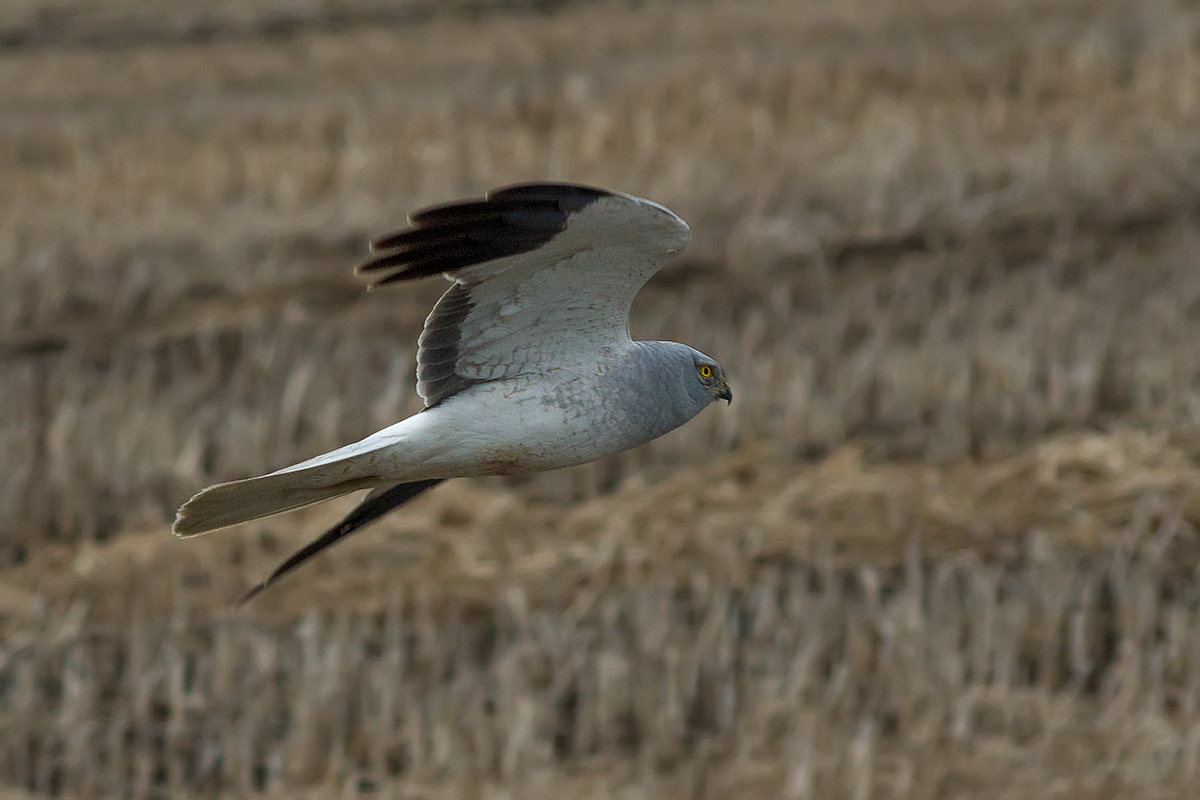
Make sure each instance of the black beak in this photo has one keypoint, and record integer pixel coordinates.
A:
(725, 394)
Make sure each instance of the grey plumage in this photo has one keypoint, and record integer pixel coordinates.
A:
(525, 363)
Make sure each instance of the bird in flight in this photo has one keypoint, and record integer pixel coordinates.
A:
(525, 364)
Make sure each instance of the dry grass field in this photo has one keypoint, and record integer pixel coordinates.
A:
(943, 544)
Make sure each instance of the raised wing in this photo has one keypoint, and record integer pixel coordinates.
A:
(544, 275)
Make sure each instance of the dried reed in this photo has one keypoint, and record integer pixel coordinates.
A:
(942, 232)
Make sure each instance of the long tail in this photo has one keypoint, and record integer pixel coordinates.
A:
(241, 501)
(324, 477)
(379, 502)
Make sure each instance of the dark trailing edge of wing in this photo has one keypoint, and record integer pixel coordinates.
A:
(446, 238)
(379, 502)
(438, 347)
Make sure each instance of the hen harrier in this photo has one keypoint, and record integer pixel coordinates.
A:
(525, 363)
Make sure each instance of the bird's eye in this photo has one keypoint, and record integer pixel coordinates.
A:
(705, 371)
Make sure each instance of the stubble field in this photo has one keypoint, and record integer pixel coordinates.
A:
(941, 545)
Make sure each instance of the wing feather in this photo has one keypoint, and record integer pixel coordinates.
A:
(544, 274)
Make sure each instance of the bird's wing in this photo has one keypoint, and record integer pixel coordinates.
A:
(381, 500)
(544, 275)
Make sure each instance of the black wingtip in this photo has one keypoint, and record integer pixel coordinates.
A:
(452, 236)
(374, 506)
(571, 197)
(251, 594)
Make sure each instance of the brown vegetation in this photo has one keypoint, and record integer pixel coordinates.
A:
(941, 545)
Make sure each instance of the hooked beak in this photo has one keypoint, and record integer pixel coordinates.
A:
(724, 392)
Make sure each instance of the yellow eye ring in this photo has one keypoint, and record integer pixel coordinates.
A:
(706, 371)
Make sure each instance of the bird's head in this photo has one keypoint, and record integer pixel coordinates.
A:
(712, 377)
(672, 383)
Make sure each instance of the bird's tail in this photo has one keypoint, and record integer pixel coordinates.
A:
(230, 503)
(324, 477)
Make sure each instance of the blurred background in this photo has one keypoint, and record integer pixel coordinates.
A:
(942, 545)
